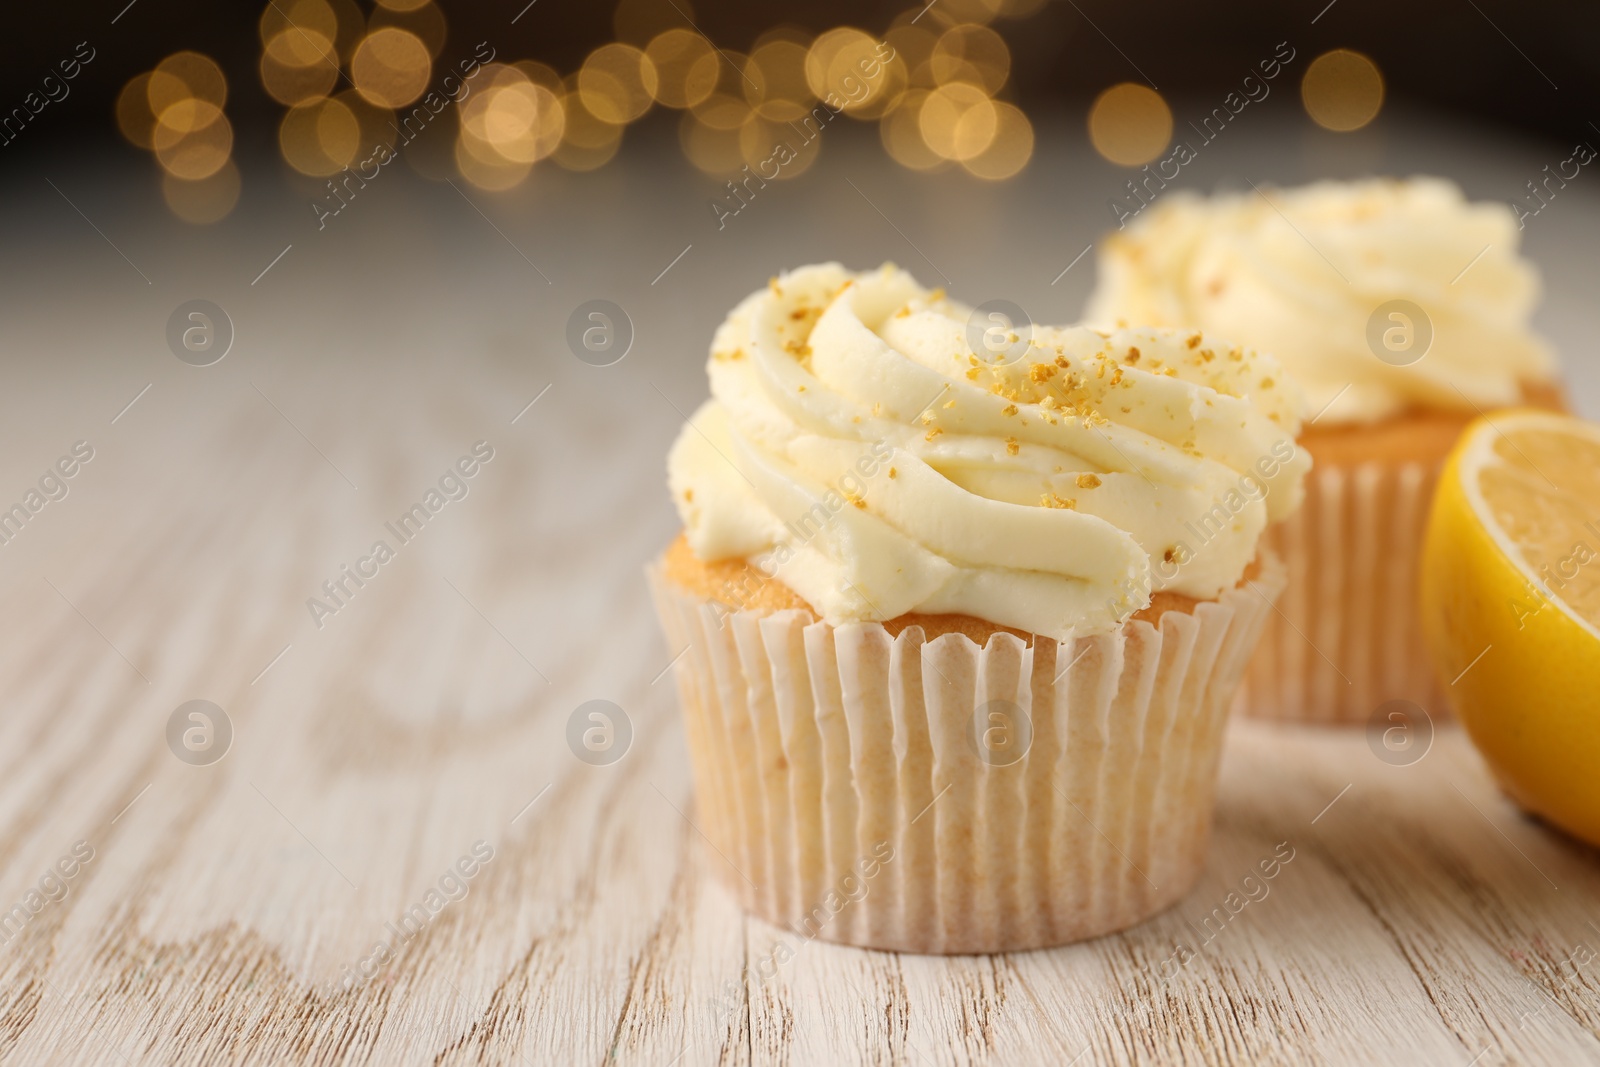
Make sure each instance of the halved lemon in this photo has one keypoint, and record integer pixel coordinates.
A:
(1511, 606)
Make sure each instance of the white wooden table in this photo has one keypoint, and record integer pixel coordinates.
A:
(227, 907)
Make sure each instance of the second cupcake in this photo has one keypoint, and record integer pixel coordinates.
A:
(1402, 311)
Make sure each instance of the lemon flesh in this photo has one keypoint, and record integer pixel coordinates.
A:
(1511, 607)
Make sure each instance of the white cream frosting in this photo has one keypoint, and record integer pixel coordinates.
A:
(1299, 276)
(857, 449)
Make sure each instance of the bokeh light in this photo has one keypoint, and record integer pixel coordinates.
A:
(424, 21)
(618, 83)
(307, 16)
(206, 200)
(686, 67)
(901, 133)
(134, 117)
(186, 75)
(639, 21)
(974, 54)
(775, 79)
(193, 139)
(836, 67)
(587, 141)
(320, 137)
(390, 67)
(1130, 124)
(511, 119)
(958, 121)
(1342, 90)
(1010, 149)
(297, 65)
(934, 81)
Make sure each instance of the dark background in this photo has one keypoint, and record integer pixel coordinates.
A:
(1526, 67)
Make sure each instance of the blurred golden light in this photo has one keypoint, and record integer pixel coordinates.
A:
(511, 119)
(1018, 9)
(913, 43)
(959, 12)
(298, 65)
(1130, 124)
(836, 67)
(958, 121)
(390, 67)
(587, 142)
(310, 16)
(193, 139)
(402, 5)
(319, 137)
(618, 83)
(203, 201)
(424, 21)
(717, 151)
(638, 21)
(1342, 90)
(134, 117)
(1011, 148)
(686, 67)
(973, 54)
(491, 177)
(901, 133)
(775, 80)
(542, 74)
(183, 75)
(774, 151)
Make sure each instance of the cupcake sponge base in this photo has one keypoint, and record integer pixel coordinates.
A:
(936, 795)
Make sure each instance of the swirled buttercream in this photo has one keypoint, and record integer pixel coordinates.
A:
(858, 448)
(1302, 273)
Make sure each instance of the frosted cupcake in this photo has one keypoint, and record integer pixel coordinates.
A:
(963, 620)
(1402, 311)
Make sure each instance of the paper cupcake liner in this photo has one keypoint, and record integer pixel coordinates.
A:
(838, 774)
(1347, 636)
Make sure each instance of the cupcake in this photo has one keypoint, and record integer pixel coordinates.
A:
(1402, 312)
(964, 606)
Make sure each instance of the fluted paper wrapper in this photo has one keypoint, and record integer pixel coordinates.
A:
(1347, 636)
(838, 776)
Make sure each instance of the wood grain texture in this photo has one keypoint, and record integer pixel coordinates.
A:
(1421, 919)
